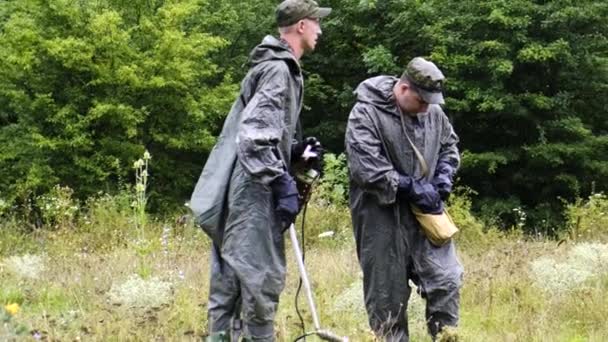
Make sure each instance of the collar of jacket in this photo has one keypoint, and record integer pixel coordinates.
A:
(272, 48)
(378, 92)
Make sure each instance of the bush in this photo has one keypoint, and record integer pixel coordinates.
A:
(107, 222)
(474, 234)
(588, 220)
(58, 209)
(334, 184)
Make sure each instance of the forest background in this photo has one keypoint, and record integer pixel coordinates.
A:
(87, 86)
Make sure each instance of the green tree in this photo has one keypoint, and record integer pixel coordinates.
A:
(526, 79)
(86, 86)
(525, 89)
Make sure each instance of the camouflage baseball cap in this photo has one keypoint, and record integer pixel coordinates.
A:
(426, 79)
(290, 12)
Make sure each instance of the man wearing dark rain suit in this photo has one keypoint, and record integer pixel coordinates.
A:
(246, 198)
(385, 178)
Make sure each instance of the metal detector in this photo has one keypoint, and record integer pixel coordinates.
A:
(322, 333)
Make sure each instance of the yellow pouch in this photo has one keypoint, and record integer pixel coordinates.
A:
(438, 228)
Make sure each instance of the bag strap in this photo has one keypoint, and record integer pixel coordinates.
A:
(425, 168)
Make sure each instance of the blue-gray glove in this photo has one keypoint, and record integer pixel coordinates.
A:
(285, 193)
(443, 179)
(420, 193)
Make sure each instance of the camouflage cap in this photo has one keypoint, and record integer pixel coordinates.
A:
(290, 12)
(426, 79)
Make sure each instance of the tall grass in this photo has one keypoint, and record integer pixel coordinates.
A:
(79, 277)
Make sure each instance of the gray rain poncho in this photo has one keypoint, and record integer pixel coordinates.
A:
(233, 201)
(390, 245)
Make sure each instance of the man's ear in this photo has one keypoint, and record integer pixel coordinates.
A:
(403, 87)
(300, 26)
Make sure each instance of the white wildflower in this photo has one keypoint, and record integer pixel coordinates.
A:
(556, 277)
(26, 266)
(164, 240)
(141, 293)
(590, 256)
(584, 262)
(351, 301)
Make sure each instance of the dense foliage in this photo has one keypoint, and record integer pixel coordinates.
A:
(526, 85)
(86, 86)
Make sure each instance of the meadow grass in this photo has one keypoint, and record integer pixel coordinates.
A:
(84, 281)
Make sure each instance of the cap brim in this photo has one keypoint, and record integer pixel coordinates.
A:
(431, 97)
(322, 12)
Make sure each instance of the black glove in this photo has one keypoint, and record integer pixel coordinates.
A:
(443, 179)
(285, 193)
(420, 193)
(308, 153)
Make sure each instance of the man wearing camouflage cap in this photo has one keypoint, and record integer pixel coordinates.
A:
(246, 197)
(386, 177)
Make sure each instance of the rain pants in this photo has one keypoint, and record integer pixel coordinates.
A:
(390, 245)
(233, 201)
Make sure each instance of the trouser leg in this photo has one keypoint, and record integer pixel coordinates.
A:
(224, 294)
(260, 297)
(387, 310)
(254, 248)
(383, 255)
(439, 273)
(442, 310)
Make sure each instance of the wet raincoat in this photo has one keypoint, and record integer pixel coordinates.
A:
(233, 201)
(390, 245)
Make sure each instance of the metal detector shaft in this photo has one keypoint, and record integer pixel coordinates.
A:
(296, 249)
(323, 334)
